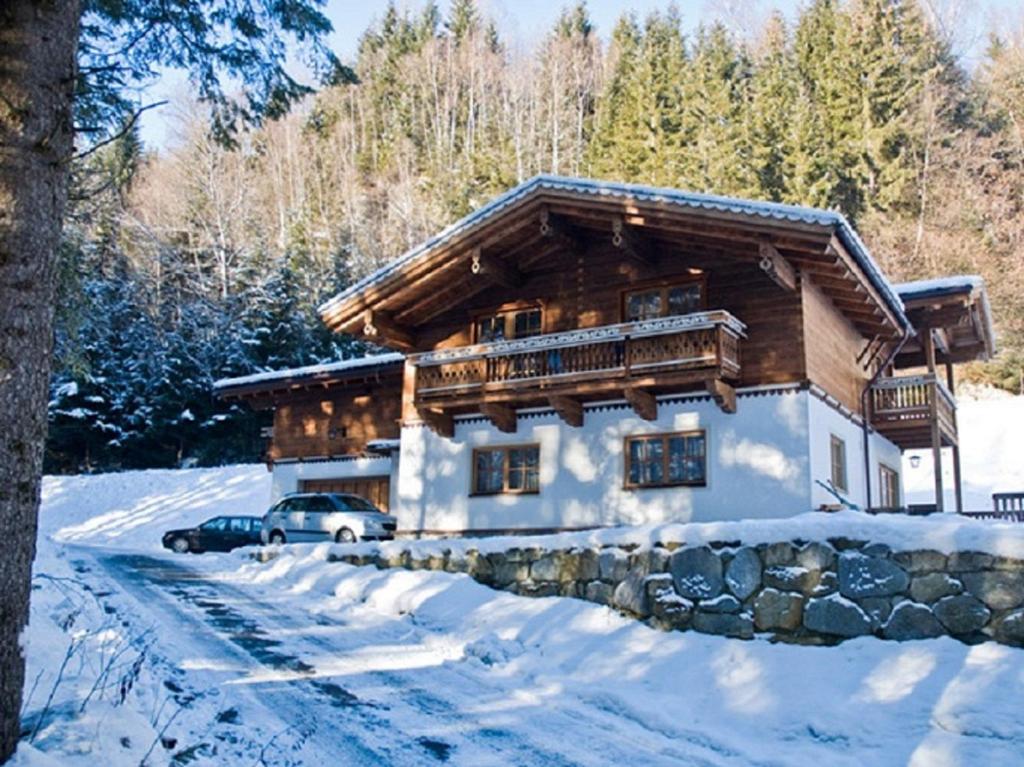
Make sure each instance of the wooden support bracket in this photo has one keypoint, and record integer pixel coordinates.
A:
(495, 269)
(380, 328)
(643, 403)
(630, 243)
(502, 416)
(778, 269)
(439, 421)
(722, 393)
(569, 409)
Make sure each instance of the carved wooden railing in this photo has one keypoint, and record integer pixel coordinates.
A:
(909, 399)
(668, 344)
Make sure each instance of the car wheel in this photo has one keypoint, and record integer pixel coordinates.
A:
(345, 535)
(277, 537)
(179, 545)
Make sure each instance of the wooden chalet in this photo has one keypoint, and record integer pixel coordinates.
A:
(700, 352)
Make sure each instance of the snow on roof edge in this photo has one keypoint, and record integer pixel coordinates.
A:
(355, 363)
(774, 210)
(950, 285)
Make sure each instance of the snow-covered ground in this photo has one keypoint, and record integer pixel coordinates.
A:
(136, 656)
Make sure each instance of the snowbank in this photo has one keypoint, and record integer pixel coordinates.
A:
(132, 509)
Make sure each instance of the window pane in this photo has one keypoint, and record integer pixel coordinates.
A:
(684, 299)
(523, 468)
(646, 465)
(643, 305)
(490, 329)
(527, 323)
(490, 471)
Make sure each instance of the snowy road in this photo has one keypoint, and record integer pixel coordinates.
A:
(391, 693)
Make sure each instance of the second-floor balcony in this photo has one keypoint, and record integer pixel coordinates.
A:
(646, 356)
(906, 409)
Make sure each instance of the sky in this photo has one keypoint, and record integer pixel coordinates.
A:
(523, 22)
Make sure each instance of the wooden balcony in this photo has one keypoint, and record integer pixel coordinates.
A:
(633, 359)
(905, 410)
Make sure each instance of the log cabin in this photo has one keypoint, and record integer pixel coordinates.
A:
(582, 353)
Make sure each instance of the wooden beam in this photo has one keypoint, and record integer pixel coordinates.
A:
(630, 243)
(643, 403)
(722, 393)
(502, 416)
(569, 409)
(778, 269)
(495, 269)
(439, 421)
(380, 328)
(553, 230)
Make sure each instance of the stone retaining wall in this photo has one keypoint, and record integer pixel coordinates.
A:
(794, 591)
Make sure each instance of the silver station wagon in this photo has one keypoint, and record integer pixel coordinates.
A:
(317, 517)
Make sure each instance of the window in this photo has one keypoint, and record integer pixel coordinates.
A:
(521, 323)
(838, 452)
(240, 525)
(889, 481)
(663, 301)
(660, 460)
(318, 503)
(217, 523)
(506, 470)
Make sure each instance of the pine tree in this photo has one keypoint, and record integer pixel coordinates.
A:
(773, 105)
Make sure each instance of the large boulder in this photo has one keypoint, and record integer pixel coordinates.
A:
(968, 561)
(781, 553)
(743, 575)
(723, 603)
(613, 564)
(631, 594)
(878, 609)
(962, 614)
(1010, 628)
(864, 576)
(933, 587)
(589, 567)
(671, 610)
(548, 567)
(777, 610)
(1000, 590)
(740, 626)
(912, 620)
(599, 592)
(816, 556)
(791, 578)
(697, 573)
(921, 561)
(836, 616)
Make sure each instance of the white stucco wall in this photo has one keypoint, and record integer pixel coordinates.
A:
(825, 420)
(758, 466)
(286, 476)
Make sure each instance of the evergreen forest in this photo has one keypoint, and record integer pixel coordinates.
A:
(207, 258)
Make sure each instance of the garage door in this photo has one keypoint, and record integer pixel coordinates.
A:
(374, 489)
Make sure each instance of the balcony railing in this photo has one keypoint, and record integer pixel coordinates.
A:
(910, 401)
(609, 353)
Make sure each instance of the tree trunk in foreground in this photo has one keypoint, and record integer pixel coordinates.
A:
(38, 42)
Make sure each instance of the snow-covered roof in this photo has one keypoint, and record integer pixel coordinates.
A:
(940, 286)
(752, 208)
(957, 284)
(323, 370)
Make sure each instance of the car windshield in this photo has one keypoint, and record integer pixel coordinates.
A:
(218, 523)
(354, 503)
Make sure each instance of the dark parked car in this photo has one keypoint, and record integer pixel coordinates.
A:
(217, 534)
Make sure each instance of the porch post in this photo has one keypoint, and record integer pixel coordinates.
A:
(933, 398)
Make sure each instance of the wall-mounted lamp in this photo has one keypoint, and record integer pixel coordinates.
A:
(915, 461)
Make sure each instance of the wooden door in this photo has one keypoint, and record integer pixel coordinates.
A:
(376, 490)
